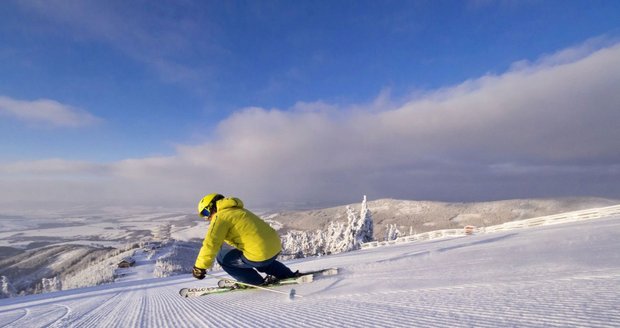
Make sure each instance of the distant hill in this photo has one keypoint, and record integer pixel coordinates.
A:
(71, 265)
(422, 216)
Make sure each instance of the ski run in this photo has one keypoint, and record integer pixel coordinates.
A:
(565, 275)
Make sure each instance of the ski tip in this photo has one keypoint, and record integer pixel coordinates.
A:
(305, 279)
(332, 271)
(327, 272)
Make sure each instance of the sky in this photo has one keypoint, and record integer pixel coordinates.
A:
(307, 103)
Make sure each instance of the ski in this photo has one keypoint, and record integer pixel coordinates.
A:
(228, 285)
(304, 278)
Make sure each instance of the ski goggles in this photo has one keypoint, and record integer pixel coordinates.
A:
(205, 213)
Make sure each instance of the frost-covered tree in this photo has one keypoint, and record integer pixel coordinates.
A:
(338, 237)
(349, 240)
(365, 225)
(334, 237)
(96, 271)
(359, 228)
(178, 260)
(392, 232)
(297, 244)
(6, 289)
(50, 284)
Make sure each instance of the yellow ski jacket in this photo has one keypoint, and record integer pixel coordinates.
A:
(241, 229)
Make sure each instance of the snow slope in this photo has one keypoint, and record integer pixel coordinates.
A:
(564, 275)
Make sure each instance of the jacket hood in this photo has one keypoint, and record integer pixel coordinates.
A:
(229, 202)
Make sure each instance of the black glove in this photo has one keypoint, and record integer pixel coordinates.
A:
(199, 273)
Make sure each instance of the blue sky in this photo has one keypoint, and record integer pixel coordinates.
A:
(116, 99)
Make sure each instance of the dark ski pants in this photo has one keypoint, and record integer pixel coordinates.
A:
(244, 270)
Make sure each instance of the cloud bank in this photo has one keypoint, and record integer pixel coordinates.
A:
(549, 128)
(46, 111)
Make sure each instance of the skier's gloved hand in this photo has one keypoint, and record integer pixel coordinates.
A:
(199, 273)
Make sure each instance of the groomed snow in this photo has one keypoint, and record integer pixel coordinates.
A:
(564, 275)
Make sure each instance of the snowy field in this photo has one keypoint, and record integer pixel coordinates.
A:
(108, 227)
(564, 275)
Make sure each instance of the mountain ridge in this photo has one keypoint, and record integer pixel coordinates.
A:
(422, 216)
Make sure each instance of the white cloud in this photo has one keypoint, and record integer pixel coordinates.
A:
(549, 129)
(46, 111)
(565, 112)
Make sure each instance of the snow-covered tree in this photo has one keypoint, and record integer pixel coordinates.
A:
(50, 284)
(338, 237)
(178, 260)
(6, 289)
(96, 271)
(359, 229)
(334, 238)
(366, 225)
(392, 232)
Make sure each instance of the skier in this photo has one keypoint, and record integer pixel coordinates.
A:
(250, 243)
